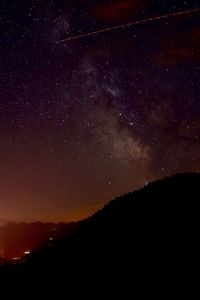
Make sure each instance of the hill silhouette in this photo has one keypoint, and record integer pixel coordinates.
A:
(147, 239)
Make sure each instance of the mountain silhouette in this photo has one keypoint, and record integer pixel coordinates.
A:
(147, 240)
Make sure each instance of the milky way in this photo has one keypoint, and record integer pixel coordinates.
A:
(85, 121)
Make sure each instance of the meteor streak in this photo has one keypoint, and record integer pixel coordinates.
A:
(127, 25)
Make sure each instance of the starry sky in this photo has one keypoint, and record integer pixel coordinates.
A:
(89, 119)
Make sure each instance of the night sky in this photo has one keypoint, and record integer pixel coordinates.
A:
(89, 119)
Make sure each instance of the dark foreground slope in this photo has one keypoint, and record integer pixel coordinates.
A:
(147, 238)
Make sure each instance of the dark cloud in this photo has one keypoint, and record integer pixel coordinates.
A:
(116, 10)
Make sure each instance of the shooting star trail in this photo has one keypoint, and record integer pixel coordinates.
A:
(127, 25)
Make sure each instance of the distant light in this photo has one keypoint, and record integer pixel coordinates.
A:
(16, 258)
(51, 239)
(27, 252)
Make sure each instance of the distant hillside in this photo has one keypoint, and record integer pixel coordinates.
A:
(16, 238)
(149, 237)
(3, 222)
(2, 261)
